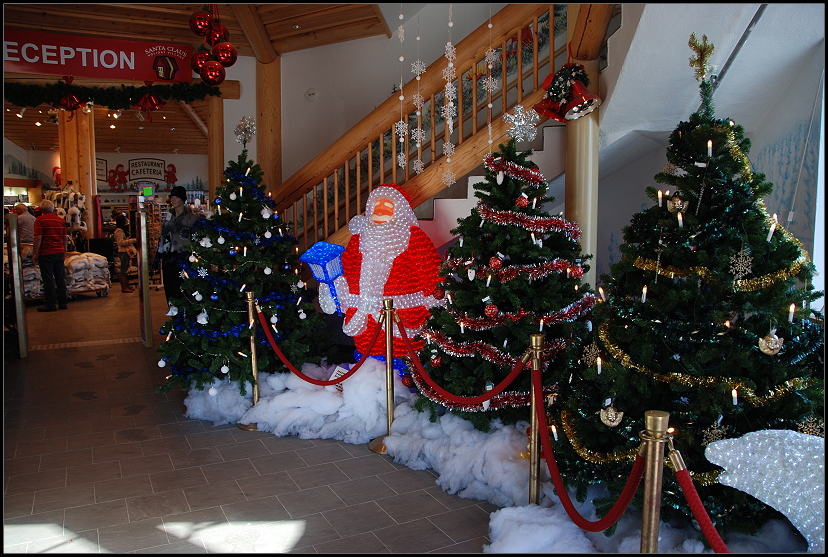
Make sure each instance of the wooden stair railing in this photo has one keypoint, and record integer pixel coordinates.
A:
(322, 197)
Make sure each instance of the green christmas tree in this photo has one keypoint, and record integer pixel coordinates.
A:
(244, 247)
(705, 318)
(514, 272)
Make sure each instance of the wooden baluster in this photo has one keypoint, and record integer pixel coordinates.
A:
(394, 141)
(433, 130)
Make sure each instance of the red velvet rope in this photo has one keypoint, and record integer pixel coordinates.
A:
(518, 367)
(626, 495)
(290, 366)
(699, 512)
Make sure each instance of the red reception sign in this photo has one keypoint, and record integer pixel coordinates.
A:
(46, 53)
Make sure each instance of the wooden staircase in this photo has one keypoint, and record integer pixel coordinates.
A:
(322, 197)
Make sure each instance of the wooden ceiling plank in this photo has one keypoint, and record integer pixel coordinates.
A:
(302, 42)
(194, 117)
(590, 30)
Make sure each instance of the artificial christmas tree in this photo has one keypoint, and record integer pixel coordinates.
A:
(243, 247)
(514, 272)
(705, 317)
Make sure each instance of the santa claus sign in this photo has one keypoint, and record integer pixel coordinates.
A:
(388, 257)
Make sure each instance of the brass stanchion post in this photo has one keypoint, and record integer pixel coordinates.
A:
(251, 315)
(654, 437)
(536, 344)
(378, 445)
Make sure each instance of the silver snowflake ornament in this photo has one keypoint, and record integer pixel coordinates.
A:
(202, 272)
(523, 124)
(418, 68)
(401, 33)
(448, 149)
(491, 56)
(741, 265)
(418, 135)
(418, 166)
(401, 128)
(401, 160)
(449, 73)
(418, 100)
(451, 52)
(490, 84)
(245, 130)
(451, 91)
(449, 178)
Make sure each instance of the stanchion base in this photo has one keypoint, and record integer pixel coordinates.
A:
(248, 427)
(378, 445)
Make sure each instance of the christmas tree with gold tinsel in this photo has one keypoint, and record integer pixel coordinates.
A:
(705, 317)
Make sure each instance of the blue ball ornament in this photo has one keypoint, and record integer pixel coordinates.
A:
(214, 296)
(217, 201)
(233, 252)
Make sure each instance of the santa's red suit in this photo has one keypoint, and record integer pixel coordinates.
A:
(389, 260)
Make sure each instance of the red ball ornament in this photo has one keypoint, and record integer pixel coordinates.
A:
(495, 263)
(436, 362)
(407, 380)
(198, 59)
(225, 53)
(201, 22)
(217, 34)
(212, 73)
(491, 310)
(522, 201)
(439, 293)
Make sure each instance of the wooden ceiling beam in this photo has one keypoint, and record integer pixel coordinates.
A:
(590, 30)
(255, 32)
(194, 117)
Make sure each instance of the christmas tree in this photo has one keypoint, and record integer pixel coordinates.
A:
(705, 317)
(244, 247)
(514, 272)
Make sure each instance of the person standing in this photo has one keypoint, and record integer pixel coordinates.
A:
(388, 257)
(48, 253)
(124, 243)
(25, 224)
(176, 232)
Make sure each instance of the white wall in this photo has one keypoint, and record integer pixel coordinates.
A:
(351, 79)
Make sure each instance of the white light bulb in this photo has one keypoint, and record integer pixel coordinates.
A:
(162, 363)
(213, 391)
(225, 369)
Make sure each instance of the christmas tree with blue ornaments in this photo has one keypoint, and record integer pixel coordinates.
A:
(243, 247)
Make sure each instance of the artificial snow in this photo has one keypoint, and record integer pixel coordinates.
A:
(469, 463)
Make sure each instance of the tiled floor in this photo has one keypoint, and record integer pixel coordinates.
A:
(96, 461)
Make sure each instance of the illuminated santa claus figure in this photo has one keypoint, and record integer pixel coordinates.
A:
(388, 257)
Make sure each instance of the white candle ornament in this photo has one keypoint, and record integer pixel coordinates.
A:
(680, 220)
(601, 292)
(660, 198)
(791, 313)
(598, 364)
(644, 295)
(709, 147)
(734, 394)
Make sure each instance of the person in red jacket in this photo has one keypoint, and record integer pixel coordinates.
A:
(388, 257)
(48, 253)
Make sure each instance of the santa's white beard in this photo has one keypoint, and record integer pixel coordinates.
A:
(379, 244)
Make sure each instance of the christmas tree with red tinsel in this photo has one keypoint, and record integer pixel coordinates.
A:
(515, 271)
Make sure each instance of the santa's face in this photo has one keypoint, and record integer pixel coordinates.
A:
(383, 211)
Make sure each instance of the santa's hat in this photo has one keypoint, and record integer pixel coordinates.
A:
(397, 188)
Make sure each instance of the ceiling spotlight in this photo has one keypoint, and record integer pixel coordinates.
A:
(140, 115)
(87, 108)
(20, 112)
(118, 113)
(118, 150)
(112, 126)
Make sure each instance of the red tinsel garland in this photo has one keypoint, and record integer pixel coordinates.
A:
(569, 313)
(534, 224)
(533, 271)
(512, 170)
(487, 351)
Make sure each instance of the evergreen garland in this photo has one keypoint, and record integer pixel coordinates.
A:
(120, 97)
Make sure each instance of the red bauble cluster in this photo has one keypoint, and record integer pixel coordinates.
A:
(495, 263)
(491, 310)
(522, 201)
(209, 63)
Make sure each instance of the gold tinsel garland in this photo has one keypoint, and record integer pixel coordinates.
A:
(705, 381)
(704, 478)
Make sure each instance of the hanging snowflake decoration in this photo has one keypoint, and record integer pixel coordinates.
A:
(401, 33)
(451, 52)
(451, 91)
(449, 178)
(448, 149)
(716, 432)
(449, 73)
(401, 129)
(590, 355)
(490, 84)
(202, 273)
(418, 166)
(741, 265)
(523, 124)
(245, 130)
(401, 160)
(491, 57)
(418, 68)
(418, 100)
(418, 135)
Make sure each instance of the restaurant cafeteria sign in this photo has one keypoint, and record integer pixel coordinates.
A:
(50, 54)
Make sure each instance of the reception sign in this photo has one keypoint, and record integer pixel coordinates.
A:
(65, 55)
